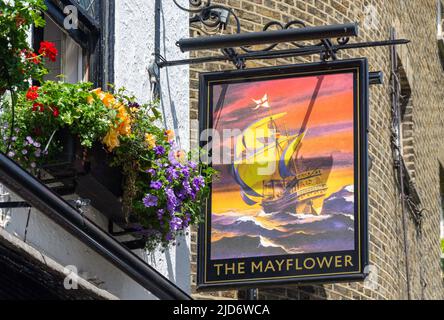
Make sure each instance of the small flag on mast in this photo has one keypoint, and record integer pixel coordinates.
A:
(262, 103)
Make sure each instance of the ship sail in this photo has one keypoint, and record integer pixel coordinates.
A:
(263, 156)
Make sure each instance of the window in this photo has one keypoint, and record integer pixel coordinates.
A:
(82, 47)
(441, 180)
(440, 30)
(71, 61)
(407, 123)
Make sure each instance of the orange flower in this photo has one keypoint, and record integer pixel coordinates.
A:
(111, 140)
(169, 135)
(180, 156)
(109, 100)
(98, 92)
(150, 140)
(125, 121)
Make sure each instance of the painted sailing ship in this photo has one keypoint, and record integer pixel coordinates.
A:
(269, 172)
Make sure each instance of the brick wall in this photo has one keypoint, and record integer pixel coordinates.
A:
(415, 20)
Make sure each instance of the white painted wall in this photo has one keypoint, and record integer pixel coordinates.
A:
(134, 46)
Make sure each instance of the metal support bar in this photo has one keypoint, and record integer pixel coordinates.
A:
(14, 205)
(135, 244)
(269, 37)
(125, 232)
(78, 204)
(297, 52)
(43, 199)
(376, 77)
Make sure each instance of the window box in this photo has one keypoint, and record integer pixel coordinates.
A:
(88, 174)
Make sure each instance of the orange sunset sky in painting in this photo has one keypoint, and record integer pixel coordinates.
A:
(329, 129)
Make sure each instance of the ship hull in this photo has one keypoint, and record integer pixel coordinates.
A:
(316, 171)
(287, 203)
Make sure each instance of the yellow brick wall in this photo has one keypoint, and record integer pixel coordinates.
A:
(415, 20)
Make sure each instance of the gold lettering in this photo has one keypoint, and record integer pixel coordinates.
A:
(241, 268)
(231, 269)
(298, 267)
(279, 264)
(289, 264)
(348, 261)
(269, 266)
(313, 263)
(218, 267)
(325, 261)
(338, 261)
(256, 267)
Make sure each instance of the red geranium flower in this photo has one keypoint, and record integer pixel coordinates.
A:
(38, 106)
(32, 93)
(49, 50)
(32, 57)
(55, 112)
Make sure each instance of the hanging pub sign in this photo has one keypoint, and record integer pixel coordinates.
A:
(290, 202)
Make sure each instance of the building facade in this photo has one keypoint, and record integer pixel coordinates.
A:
(127, 34)
(405, 236)
(404, 247)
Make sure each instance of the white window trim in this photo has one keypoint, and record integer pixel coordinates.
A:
(439, 18)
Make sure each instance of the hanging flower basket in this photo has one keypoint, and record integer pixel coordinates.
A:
(130, 168)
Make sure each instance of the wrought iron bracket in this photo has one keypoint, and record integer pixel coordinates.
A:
(233, 56)
(216, 18)
(77, 204)
(132, 244)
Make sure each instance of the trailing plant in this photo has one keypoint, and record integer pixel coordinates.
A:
(164, 189)
(18, 61)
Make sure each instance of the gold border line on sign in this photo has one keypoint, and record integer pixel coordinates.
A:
(359, 91)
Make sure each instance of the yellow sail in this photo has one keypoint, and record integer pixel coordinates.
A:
(255, 137)
(287, 156)
(252, 171)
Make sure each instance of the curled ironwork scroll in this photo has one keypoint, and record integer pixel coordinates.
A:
(215, 18)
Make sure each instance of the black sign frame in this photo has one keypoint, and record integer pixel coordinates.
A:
(207, 278)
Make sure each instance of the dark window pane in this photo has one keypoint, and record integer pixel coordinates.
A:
(90, 6)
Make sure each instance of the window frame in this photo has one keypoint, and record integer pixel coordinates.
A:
(96, 36)
(440, 18)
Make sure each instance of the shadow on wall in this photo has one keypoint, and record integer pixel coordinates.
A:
(295, 292)
(160, 41)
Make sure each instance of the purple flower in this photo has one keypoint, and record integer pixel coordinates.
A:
(156, 185)
(172, 201)
(30, 140)
(14, 139)
(176, 224)
(187, 220)
(198, 183)
(150, 201)
(159, 150)
(33, 165)
(151, 172)
(24, 152)
(160, 214)
(172, 158)
(37, 145)
(189, 190)
(11, 154)
(169, 236)
(186, 172)
(192, 165)
(182, 194)
(172, 174)
(134, 105)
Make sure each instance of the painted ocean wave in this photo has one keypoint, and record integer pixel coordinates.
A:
(287, 233)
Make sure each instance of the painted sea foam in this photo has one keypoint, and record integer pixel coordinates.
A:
(287, 233)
